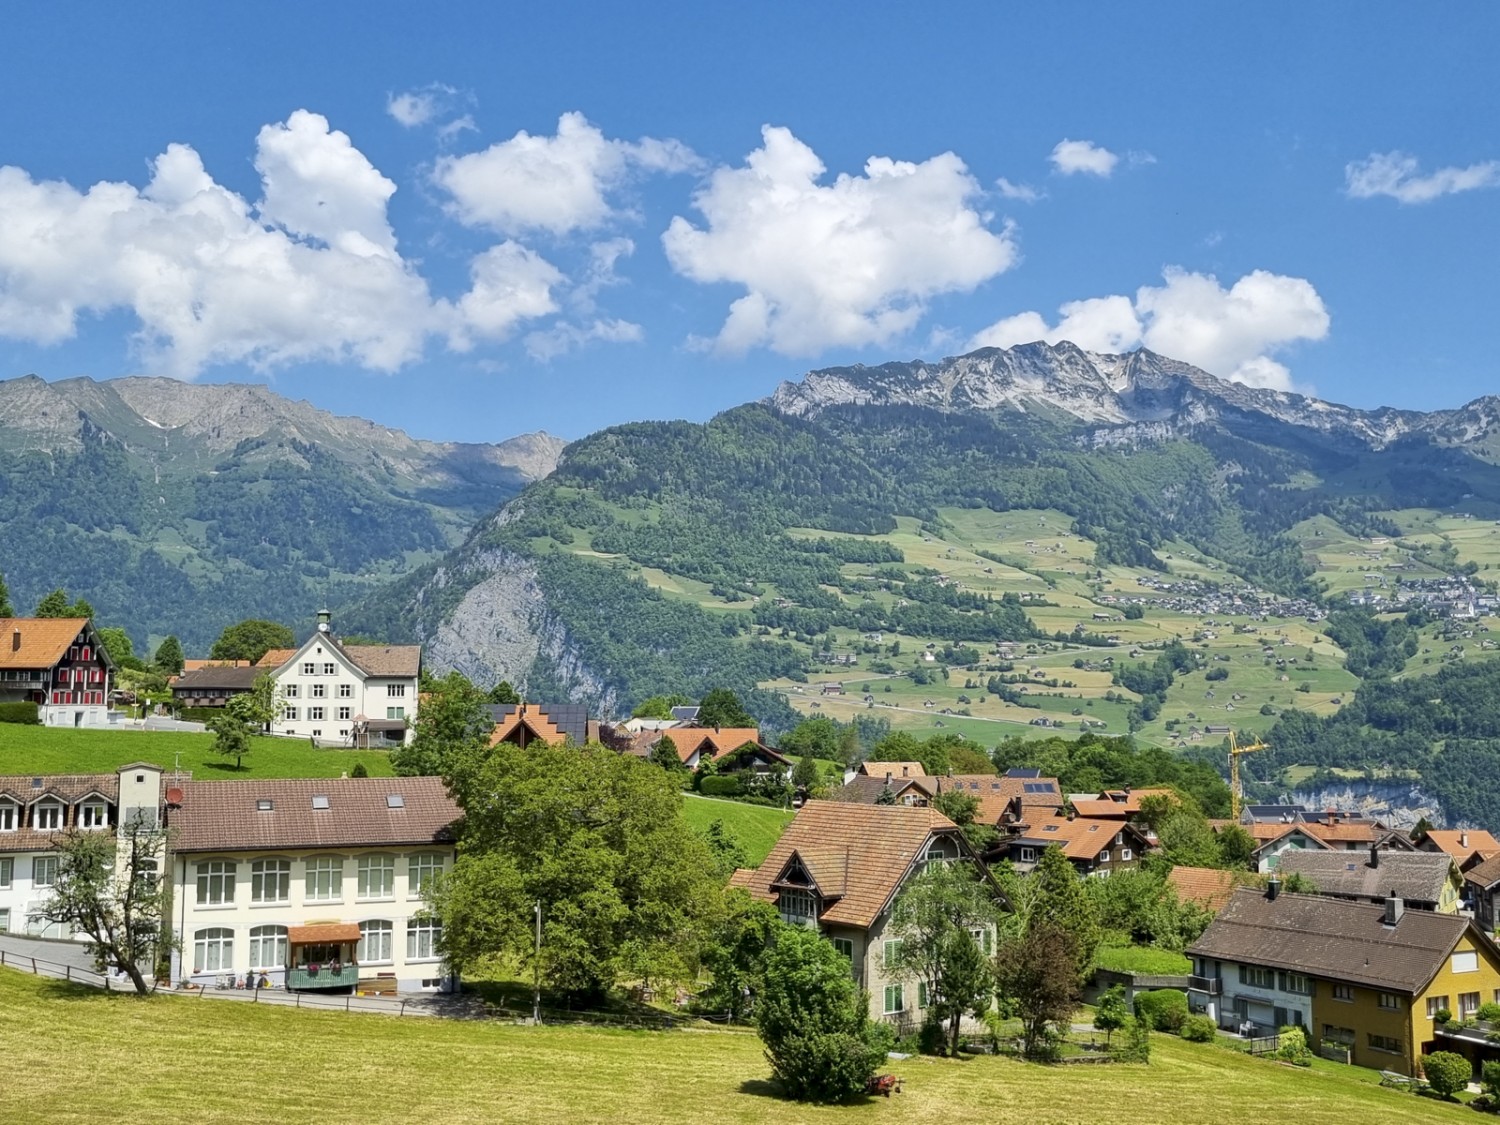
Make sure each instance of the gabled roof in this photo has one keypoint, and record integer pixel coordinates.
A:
(1334, 939)
(69, 788)
(223, 815)
(1267, 834)
(553, 723)
(385, 660)
(866, 851)
(895, 769)
(1414, 876)
(1461, 843)
(1484, 875)
(44, 640)
(996, 793)
(867, 790)
(219, 678)
(276, 657)
(1344, 832)
(712, 742)
(1079, 837)
(1208, 886)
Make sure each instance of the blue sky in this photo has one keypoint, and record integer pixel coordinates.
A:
(473, 220)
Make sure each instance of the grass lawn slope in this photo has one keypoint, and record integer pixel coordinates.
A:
(116, 1058)
(40, 750)
(756, 827)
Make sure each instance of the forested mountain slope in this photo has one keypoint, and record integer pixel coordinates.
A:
(177, 507)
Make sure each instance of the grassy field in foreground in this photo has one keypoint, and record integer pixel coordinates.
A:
(121, 1059)
(26, 749)
(756, 827)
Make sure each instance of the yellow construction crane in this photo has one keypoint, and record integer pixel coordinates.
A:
(1236, 794)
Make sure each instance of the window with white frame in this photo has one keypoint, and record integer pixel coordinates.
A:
(1468, 1004)
(346, 691)
(1126, 855)
(1028, 855)
(395, 712)
(268, 947)
(422, 937)
(317, 691)
(1466, 961)
(374, 941)
(395, 691)
(8, 818)
(330, 669)
(891, 953)
(216, 882)
(271, 880)
(290, 714)
(325, 878)
(799, 908)
(1296, 982)
(346, 712)
(895, 999)
(44, 871)
(291, 691)
(95, 814)
(213, 950)
(146, 875)
(7, 867)
(314, 714)
(984, 938)
(1390, 1001)
(421, 874)
(309, 668)
(1436, 1004)
(1257, 977)
(47, 817)
(377, 876)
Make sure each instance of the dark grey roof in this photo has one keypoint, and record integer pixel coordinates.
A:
(219, 678)
(685, 714)
(1023, 772)
(572, 719)
(1414, 876)
(1333, 939)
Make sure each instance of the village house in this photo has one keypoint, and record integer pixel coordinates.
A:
(1469, 847)
(1366, 981)
(59, 664)
(214, 685)
(36, 811)
(1423, 880)
(696, 745)
(1481, 885)
(1096, 848)
(341, 694)
(1210, 887)
(316, 885)
(552, 724)
(839, 868)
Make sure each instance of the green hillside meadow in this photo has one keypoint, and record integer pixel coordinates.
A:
(121, 1059)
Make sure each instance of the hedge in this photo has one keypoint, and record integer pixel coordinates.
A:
(1199, 1029)
(27, 713)
(198, 714)
(716, 786)
(1165, 1008)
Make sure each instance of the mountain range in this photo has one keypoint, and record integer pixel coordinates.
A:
(180, 507)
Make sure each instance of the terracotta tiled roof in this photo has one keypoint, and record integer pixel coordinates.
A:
(713, 741)
(1361, 832)
(1414, 876)
(1461, 843)
(1206, 885)
(195, 665)
(895, 769)
(44, 640)
(864, 850)
(1269, 833)
(386, 660)
(1333, 939)
(1118, 803)
(276, 657)
(1080, 837)
(322, 933)
(223, 815)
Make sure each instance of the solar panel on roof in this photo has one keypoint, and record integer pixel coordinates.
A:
(1023, 772)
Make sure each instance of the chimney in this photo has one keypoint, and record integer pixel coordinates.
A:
(1394, 908)
(1463, 839)
(1374, 855)
(15, 640)
(1273, 888)
(888, 778)
(905, 771)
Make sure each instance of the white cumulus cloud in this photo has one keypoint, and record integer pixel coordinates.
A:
(847, 263)
(559, 184)
(548, 343)
(1400, 176)
(1232, 332)
(310, 273)
(1072, 158)
(1022, 193)
(414, 107)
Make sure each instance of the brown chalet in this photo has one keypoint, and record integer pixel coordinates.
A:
(695, 745)
(839, 867)
(1095, 847)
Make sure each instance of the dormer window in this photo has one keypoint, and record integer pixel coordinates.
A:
(47, 817)
(8, 817)
(93, 814)
(798, 908)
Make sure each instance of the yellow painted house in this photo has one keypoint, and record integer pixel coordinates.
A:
(1365, 981)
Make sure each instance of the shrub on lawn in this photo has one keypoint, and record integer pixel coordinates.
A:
(1165, 1009)
(1199, 1029)
(1447, 1072)
(1293, 1047)
(721, 786)
(27, 713)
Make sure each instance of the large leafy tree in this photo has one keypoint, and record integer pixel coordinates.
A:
(963, 810)
(118, 643)
(1036, 970)
(169, 657)
(451, 731)
(1059, 899)
(814, 1021)
(251, 639)
(110, 889)
(56, 604)
(735, 953)
(722, 708)
(625, 886)
(935, 919)
(231, 735)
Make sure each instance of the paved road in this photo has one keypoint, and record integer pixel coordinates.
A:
(71, 953)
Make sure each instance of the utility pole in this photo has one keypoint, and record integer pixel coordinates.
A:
(536, 967)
